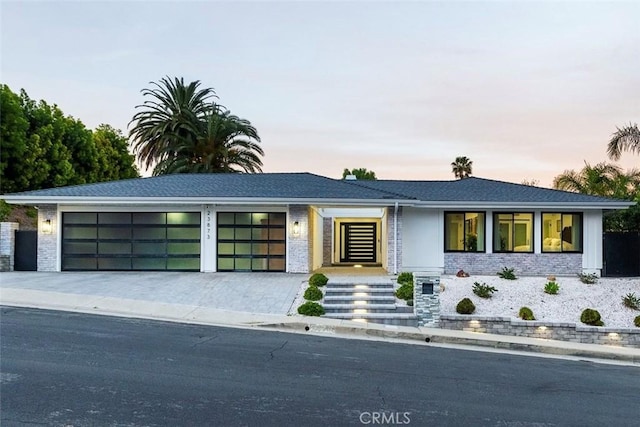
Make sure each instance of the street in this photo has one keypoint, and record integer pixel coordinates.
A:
(69, 369)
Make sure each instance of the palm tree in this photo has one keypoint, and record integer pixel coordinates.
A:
(627, 138)
(461, 167)
(224, 143)
(180, 129)
(600, 180)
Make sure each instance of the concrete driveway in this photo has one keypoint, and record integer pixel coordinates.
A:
(268, 293)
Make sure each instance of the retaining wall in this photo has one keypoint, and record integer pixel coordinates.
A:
(571, 332)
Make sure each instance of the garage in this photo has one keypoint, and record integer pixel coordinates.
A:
(251, 241)
(142, 241)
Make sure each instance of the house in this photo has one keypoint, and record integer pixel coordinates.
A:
(299, 222)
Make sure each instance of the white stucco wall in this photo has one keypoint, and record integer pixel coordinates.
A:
(422, 239)
(592, 242)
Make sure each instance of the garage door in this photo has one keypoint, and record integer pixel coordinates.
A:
(251, 241)
(148, 241)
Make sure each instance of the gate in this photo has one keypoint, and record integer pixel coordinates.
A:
(621, 252)
(26, 254)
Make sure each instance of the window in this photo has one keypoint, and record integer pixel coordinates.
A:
(464, 231)
(512, 232)
(561, 232)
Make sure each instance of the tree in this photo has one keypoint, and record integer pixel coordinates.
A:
(531, 182)
(606, 180)
(181, 130)
(627, 138)
(360, 173)
(461, 167)
(40, 147)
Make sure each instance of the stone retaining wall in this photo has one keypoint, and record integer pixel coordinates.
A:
(625, 337)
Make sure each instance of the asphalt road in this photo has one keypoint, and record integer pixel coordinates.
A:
(67, 369)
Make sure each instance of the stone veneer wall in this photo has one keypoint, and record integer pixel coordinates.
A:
(572, 332)
(527, 264)
(47, 243)
(426, 306)
(391, 235)
(299, 253)
(327, 238)
(8, 244)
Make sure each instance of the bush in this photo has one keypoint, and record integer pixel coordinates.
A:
(318, 279)
(589, 279)
(313, 293)
(465, 306)
(590, 316)
(551, 288)
(631, 301)
(410, 302)
(405, 291)
(483, 290)
(526, 313)
(405, 277)
(311, 308)
(5, 210)
(636, 321)
(507, 273)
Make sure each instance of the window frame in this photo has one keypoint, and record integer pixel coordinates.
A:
(562, 250)
(512, 213)
(464, 221)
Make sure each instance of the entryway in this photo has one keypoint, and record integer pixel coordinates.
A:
(358, 242)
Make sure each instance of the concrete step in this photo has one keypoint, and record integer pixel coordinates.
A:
(371, 315)
(367, 309)
(359, 285)
(352, 291)
(337, 299)
(352, 306)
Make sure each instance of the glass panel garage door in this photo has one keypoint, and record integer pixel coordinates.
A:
(131, 241)
(251, 241)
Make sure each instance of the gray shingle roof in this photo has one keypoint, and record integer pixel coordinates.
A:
(305, 186)
(479, 190)
(232, 185)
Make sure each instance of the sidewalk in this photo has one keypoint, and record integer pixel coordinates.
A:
(220, 300)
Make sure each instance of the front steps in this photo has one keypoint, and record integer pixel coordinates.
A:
(366, 302)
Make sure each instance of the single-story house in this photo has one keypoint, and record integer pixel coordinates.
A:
(299, 222)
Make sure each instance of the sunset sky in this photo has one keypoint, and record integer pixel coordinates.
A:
(526, 90)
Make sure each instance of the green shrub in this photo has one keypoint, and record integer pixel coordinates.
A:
(410, 302)
(590, 316)
(311, 308)
(636, 321)
(507, 273)
(405, 291)
(589, 278)
(465, 306)
(551, 288)
(526, 313)
(483, 290)
(5, 210)
(631, 301)
(313, 293)
(318, 279)
(405, 277)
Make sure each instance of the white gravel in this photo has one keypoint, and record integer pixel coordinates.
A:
(574, 296)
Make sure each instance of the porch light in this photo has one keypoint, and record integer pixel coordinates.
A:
(46, 226)
(296, 228)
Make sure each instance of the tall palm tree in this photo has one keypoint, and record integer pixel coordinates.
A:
(627, 138)
(180, 129)
(461, 167)
(600, 180)
(223, 143)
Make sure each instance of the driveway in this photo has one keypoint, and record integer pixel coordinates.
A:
(269, 293)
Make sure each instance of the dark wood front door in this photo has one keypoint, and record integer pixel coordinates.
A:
(358, 242)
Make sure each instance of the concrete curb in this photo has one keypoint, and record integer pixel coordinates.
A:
(142, 309)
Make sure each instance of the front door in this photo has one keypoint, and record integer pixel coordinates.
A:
(358, 242)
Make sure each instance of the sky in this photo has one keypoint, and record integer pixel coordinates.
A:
(526, 90)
